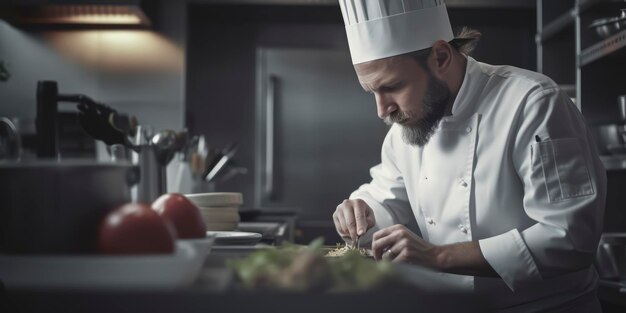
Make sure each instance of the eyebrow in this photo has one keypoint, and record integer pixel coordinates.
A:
(383, 82)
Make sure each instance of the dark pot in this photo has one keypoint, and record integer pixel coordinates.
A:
(49, 207)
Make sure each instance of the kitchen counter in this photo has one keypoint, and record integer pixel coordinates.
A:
(215, 291)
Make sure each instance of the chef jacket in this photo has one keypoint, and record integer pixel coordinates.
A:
(515, 168)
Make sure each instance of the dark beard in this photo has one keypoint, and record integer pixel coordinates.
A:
(435, 103)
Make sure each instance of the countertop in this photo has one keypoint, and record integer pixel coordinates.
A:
(214, 291)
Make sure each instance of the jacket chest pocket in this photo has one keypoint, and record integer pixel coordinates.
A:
(564, 166)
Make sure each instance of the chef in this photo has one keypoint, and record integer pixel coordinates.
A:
(493, 163)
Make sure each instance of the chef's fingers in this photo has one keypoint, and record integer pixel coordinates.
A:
(382, 240)
(371, 220)
(340, 224)
(385, 238)
(361, 210)
(348, 216)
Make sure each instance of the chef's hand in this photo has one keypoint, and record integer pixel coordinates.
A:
(353, 218)
(398, 244)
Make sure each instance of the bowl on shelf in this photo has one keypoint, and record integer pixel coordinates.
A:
(606, 27)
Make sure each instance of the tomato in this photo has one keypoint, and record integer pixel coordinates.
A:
(136, 229)
(182, 213)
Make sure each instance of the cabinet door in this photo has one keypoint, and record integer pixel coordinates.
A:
(317, 130)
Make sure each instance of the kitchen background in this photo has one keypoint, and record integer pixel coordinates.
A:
(275, 77)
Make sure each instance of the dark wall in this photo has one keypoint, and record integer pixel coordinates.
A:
(221, 43)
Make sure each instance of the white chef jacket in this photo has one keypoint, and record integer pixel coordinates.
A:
(514, 168)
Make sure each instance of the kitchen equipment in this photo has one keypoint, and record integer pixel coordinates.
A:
(165, 271)
(606, 27)
(49, 207)
(99, 121)
(154, 154)
(10, 140)
(611, 256)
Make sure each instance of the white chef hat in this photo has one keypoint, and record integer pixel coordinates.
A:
(378, 29)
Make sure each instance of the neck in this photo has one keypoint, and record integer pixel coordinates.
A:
(455, 79)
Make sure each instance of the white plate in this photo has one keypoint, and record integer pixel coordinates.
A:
(235, 237)
(97, 271)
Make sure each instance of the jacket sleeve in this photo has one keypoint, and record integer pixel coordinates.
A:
(386, 193)
(564, 193)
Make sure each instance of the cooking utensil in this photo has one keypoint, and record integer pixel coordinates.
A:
(56, 207)
(228, 154)
(165, 145)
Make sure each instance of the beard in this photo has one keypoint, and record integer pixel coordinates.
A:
(434, 107)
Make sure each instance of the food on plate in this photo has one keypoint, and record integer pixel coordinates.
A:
(343, 249)
(305, 268)
(184, 215)
(135, 228)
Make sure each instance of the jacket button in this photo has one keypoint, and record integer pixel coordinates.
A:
(463, 228)
(430, 221)
(468, 130)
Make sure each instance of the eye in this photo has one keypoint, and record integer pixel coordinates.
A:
(392, 87)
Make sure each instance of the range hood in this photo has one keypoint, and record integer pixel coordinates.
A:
(77, 13)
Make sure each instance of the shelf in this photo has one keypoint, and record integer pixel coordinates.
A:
(603, 48)
(585, 5)
(559, 24)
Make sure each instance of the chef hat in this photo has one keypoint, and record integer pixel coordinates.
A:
(378, 29)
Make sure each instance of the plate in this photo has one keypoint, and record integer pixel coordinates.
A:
(235, 237)
(167, 271)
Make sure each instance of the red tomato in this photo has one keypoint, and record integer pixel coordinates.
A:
(136, 229)
(182, 213)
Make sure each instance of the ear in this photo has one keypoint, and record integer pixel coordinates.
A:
(440, 59)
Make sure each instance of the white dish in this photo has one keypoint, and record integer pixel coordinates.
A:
(97, 271)
(235, 237)
(211, 199)
(202, 245)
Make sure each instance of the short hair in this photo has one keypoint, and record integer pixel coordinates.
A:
(464, 42)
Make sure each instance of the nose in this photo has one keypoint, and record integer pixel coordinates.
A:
(384, 106)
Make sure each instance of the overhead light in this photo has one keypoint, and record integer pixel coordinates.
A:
(79, 14)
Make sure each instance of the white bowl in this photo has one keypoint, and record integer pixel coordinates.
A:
(101, 271)
(216, 199)
(232, 217)
(221, 226)
(202, 245)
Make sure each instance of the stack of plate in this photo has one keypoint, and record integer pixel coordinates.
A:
(220, 210)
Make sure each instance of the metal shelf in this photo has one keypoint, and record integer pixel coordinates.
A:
(585, 5)
(603, 48)
(557, 25)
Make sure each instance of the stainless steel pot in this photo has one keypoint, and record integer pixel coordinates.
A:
(611, 256)
(49, 207)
